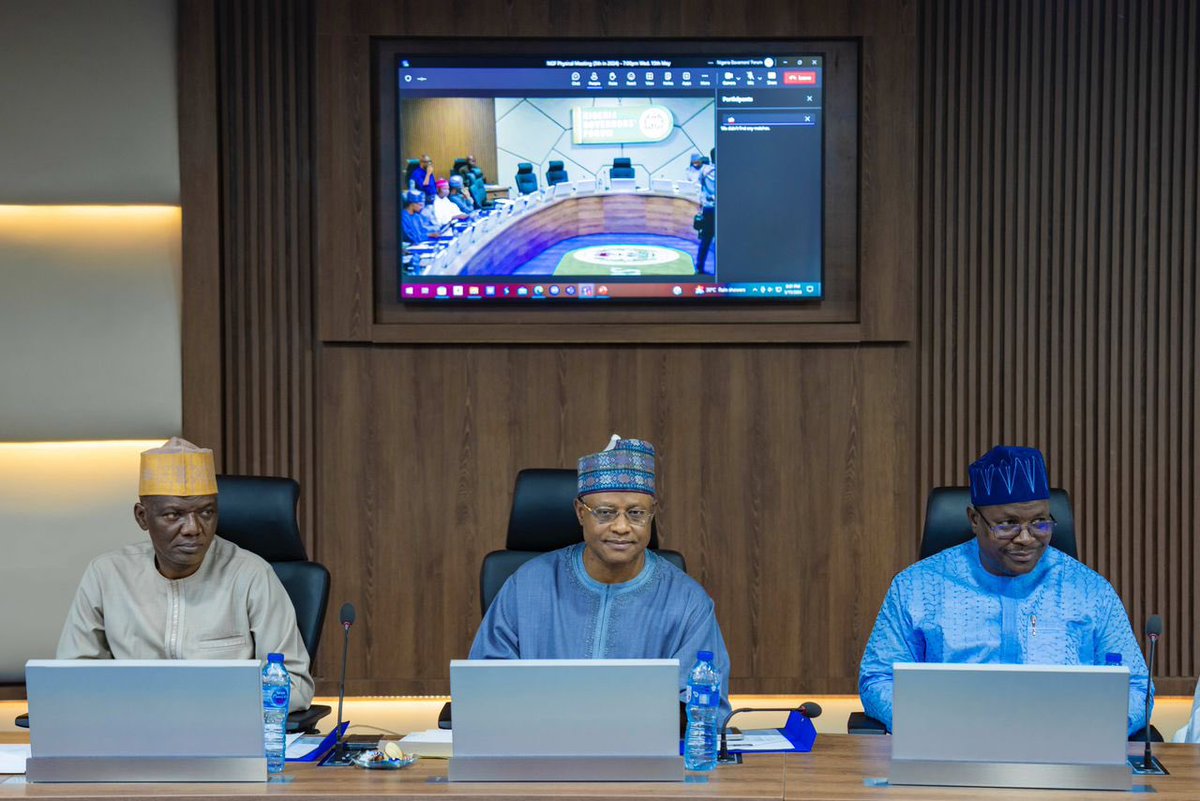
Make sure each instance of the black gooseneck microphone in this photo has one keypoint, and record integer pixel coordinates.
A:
(347, 618)
(1154, 628)
(808, 709)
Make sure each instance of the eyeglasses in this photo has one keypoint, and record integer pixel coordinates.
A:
(605, 515)
(1042, 527)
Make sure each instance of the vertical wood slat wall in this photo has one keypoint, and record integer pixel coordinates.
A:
(1059, 209)
(264, 57)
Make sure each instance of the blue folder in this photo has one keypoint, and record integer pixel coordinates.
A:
(327, 742)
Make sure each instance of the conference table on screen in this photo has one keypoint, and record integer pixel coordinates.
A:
(839, 768)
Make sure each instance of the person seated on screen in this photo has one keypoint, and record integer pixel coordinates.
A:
(471, 167)
(424, 179)
(606, 597)
(415, 225)
(695, 165)
(445, 210)
(185, 593)
(459, 198)
(1007, 596)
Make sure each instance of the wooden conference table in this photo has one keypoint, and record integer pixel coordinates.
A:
(835, 770)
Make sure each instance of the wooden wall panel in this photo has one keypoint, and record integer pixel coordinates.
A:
(778, 477)
(1059, 255)
(264, 69)
(448, 128)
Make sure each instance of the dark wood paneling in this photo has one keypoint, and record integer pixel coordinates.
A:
(264, 71)
(1059, 256)
(200, 197)
(447, 128)
(778, 474)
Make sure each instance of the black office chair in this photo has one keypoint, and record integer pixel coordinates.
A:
(258, 513)
(459, 168)
(542, 519)
(556, 174)
(527, 182)
(946, 525)
(409, 168)
(622, 168)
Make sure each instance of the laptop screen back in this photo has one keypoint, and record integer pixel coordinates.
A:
(1056, 714)
(145, 708)
(565, 707)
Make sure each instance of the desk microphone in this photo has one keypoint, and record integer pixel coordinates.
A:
(808, 709)
(1154, 628)
(347, 618)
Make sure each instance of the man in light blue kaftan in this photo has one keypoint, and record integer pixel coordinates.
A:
(607, 597)
(1004, 597)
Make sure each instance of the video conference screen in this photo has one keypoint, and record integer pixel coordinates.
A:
(588, 179)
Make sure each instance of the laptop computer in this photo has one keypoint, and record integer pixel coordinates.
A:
(566, 720)
(117, 720)
(1041, 726)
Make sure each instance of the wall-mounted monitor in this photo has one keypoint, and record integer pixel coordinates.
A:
(592, 173)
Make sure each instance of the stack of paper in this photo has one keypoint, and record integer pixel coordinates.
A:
(12, 758)
(429, 743)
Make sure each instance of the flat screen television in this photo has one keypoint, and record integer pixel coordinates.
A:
(587, 173)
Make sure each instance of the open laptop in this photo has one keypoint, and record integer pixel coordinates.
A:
(566, 720)
(134, 720)
(1042, 726)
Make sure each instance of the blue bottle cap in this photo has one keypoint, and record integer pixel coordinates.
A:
(1112, 659)
(275, 658)
(704, 656)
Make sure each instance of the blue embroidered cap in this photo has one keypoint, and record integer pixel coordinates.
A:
(626, 465)
(1009, 475)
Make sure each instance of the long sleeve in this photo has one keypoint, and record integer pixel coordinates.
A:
(1115, 635)
(273, 626)
(703, 633)
(83, 635)
(892, 640)
(497, 637)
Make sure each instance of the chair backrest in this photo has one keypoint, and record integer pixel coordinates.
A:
(543, 519)
(258, 513)
(409, 168)
(479, 188)
(556, 174)
(622, 168)
(946, 523)
(459, 166)
(527, 182)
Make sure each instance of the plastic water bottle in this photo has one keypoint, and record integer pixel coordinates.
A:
(703, 711)
(276, 696)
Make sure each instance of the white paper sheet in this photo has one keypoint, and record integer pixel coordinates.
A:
(762, 740)
(12, 758)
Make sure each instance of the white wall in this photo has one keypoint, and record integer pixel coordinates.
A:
(538, 130)
(89, 291)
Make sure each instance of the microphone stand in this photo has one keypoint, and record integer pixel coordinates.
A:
(1147, 758)
(337, 748)
(723, 755)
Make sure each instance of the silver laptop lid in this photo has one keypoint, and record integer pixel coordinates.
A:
(145, 708)
(1059, 714)
(565, 707)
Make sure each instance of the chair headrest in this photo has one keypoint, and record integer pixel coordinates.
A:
(543, 511)
(258, 513)
(556, 165)
(414, 162)
(946, 523)
(622, 161)
(524, 167)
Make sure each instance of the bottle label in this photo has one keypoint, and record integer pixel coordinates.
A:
(698, 697)
(276, 696)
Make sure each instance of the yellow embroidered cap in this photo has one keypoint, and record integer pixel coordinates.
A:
(178, 468)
